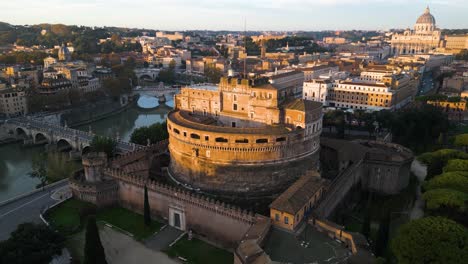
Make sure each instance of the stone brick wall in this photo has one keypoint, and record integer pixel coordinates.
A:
(219, 222)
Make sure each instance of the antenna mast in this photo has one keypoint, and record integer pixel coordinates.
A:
(245, 48)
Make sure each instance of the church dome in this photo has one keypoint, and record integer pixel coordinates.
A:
(426, 18)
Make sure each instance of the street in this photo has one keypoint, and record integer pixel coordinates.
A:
(25, 209)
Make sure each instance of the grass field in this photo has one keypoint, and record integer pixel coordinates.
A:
(67, 218)
(196, 251)
(128, 221)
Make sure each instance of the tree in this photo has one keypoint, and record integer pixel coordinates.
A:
(146, 210)
(446, 198)
(418, 128)
(93, 251)
(104, 144)
(167, 76)
(31, 243)
(382, 237)
(463, 55)
(39, 168)
(431, 240)
(59, 166)
(455, 180)
(462, 141)
(213, 74)
(366, 225)
(154, 133)
(456, 165)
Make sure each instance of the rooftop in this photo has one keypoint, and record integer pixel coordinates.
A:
(302, 105)
(204, 86)
(199, 122)
(299, 194)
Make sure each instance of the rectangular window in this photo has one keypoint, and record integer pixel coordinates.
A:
(277, 217)
(286, 220)
(234, 107)
(207, 138)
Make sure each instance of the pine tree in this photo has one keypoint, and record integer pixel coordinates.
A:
(382, 238)
(366, 225)
(146, 210)
(94, 251)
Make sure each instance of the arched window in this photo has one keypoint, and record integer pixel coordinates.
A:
(194, 136)
(176, 131)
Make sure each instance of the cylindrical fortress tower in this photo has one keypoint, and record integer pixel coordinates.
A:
(94, 164)
(257, 161)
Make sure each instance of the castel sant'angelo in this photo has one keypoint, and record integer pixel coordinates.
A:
(242, 137)
(243, 140)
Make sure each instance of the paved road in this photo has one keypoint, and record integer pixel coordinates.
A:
(122, 249)
(163, 238)
(427, 84)
(26, 209)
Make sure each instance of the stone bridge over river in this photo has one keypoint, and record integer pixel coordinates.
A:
(37, 132)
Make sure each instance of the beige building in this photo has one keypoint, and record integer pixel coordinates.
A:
(424, 38)
(334, 40)
(376, 89)
(456, 43)
(13, 102)
(296, 203)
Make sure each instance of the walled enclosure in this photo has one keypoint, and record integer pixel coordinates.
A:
(107, 186)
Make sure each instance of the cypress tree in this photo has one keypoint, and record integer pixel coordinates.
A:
(146, 210)
(366, 225)
(94, 251)
(382, 238)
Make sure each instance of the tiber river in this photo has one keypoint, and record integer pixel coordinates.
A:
(15, 161)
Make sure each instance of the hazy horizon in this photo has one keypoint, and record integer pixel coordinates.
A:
(261, 15)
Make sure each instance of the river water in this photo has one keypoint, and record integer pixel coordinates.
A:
(16, 161)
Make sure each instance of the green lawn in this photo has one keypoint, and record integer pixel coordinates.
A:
(66, 219)
(128, 221)
(199, 252)
(66, 216)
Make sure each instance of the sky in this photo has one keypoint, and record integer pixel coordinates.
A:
(275, 15)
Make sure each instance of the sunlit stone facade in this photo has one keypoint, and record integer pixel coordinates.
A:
(241, 137)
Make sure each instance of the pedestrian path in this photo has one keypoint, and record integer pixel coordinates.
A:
(163, 238)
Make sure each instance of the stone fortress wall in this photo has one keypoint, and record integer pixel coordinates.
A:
(107, 185)
(376, 166)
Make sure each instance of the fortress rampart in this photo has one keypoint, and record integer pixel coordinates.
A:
(236, 159)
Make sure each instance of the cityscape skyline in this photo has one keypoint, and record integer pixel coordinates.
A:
(231, 15)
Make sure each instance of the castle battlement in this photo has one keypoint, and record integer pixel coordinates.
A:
(176, 193)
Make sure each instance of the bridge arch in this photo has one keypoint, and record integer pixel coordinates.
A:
(21, 132)
(63, 145)
(86, 150)
(145, 77)
(40, 138)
